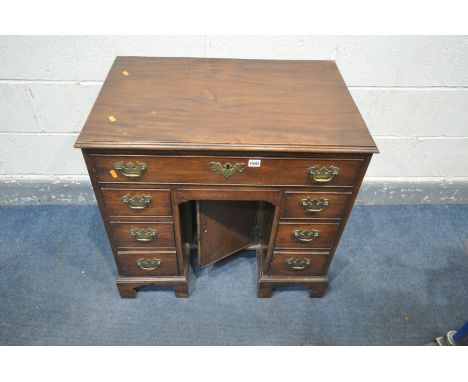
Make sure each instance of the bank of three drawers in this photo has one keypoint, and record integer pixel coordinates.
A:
(316, 197)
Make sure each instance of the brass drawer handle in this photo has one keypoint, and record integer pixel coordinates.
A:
(314, 205)
(149, 264)
(298, 264)
(323, 174)
(137, 202)
(143, 235)
(227, 169)
(131, 170)
(306, 235)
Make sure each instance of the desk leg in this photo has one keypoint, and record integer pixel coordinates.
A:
(128, 286)
(264, 290)
(317, 285)
(318, 290)
(181, 291)
(126, 290)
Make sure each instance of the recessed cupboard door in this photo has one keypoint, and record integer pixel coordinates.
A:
(224, 228)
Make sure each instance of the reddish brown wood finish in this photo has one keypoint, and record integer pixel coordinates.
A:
(280, 267)
(197, 170)
(272, 196)
(224, 227)
(246, 105)
(129, 263)
(159, 205)
(163, 239)
(178, 115)
(128, 286)
(286, 239)
(336, 204)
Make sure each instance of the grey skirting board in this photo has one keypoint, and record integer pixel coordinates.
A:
(23, 192)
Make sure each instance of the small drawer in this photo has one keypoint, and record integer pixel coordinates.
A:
(148, 263)
(298, 264)
(228, 170)
(135, 202)
(306, 235)
(310, 205)
(156, 235)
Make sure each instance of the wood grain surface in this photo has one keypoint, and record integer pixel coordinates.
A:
(160, 204)
(280, 267)
(286, 239)
(123, 238)
(197, 170)
(190, 103)
(128, 261)
(336, 203)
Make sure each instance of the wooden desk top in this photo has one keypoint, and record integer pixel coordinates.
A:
(225, 104)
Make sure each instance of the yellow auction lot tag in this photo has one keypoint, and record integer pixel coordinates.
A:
(113, 174)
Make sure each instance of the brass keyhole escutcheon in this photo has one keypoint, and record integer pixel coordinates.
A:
(227, 169)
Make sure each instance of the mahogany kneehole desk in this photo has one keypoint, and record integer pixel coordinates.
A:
(224, 155)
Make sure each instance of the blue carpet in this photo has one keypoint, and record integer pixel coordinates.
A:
(399, 277)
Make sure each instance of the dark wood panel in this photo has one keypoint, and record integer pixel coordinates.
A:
(333, 205)
(271, 195)
(140, 263)
(159, 204)
(272, 171)
(225, 103)
(224, 227)
(121, 233)
(348, 209)
(298, 264)
(325, 238)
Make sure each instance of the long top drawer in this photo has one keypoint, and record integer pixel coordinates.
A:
(227, 170)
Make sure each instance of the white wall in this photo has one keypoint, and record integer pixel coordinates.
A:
(411, 90)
